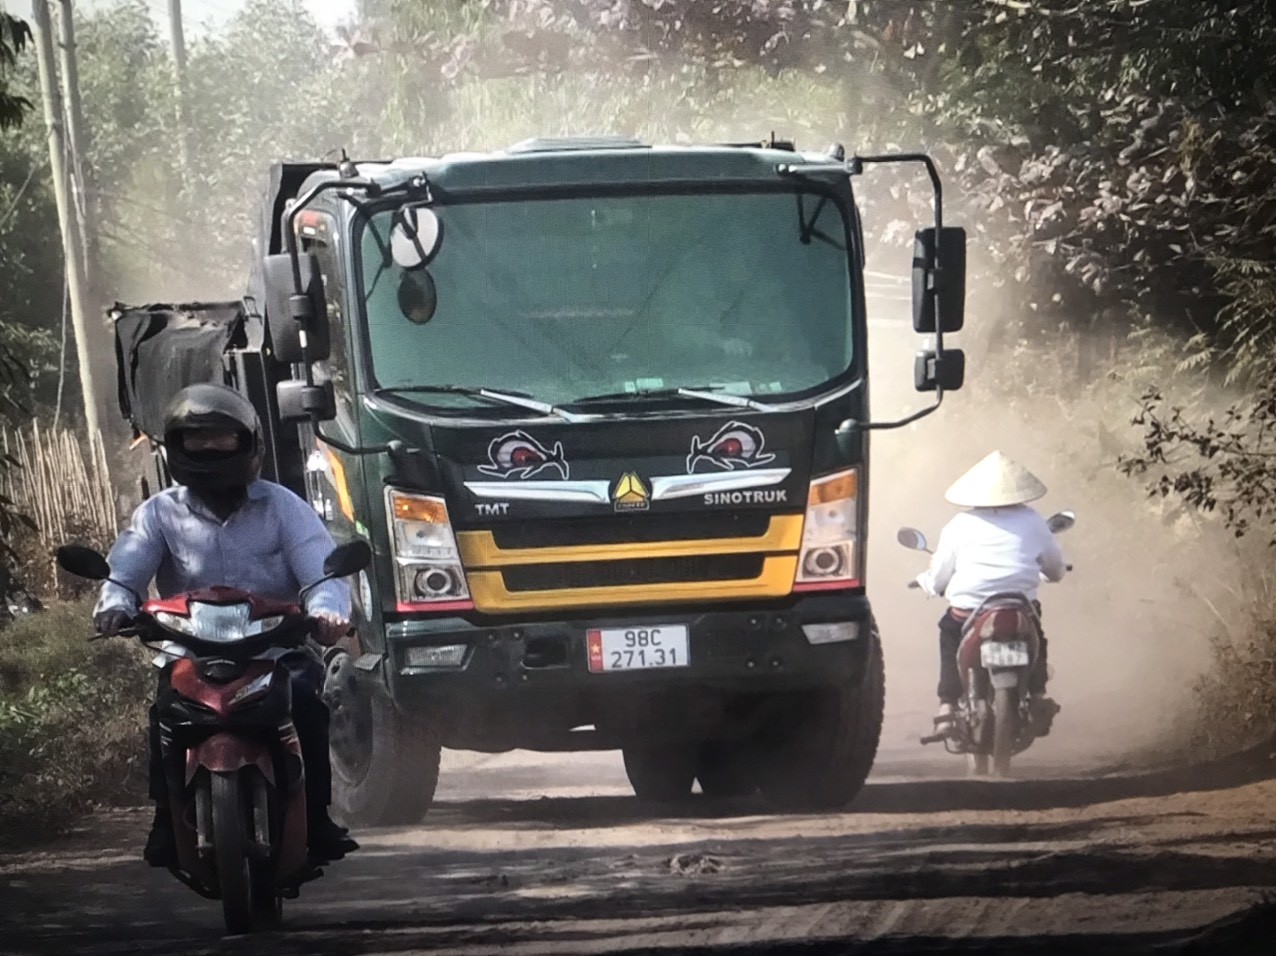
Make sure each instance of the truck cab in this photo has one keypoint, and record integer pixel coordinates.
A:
(602, 411)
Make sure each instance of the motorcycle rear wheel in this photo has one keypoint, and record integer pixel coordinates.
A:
(230, 843)
(1005, 710)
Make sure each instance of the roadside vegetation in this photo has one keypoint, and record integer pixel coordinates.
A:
(72, 720)
(1113, 162)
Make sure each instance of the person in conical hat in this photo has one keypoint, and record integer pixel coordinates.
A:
(999, 544)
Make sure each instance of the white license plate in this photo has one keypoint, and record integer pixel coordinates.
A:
(1004, 654)
(637, 648)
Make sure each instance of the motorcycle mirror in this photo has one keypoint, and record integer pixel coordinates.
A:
(347, 559)
(1062, 521)
(83, 562)
(912, 538)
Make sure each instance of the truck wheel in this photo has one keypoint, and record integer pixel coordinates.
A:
(661, 774)
(820, 759)
(724, 772)
(385, 767)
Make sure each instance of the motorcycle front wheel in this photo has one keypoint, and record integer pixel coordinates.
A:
(230, 843)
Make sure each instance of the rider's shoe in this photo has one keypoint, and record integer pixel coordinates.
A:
(946, 717)
(328, 842)
(1041, 713)
(161, 845)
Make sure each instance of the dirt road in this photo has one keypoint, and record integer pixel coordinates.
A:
(509, 863)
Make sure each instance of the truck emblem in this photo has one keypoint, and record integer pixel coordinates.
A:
(631, 494)
(735, 445)
(519, 455)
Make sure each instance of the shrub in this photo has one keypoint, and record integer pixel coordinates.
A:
(72, 719)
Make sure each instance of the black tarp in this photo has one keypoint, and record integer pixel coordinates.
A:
(160, 349)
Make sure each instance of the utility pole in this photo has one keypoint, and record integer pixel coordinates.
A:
(78, 141)
(72, 254)
(179, 64)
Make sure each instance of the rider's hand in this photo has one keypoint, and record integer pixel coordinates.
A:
(330, 628)
(110, 622)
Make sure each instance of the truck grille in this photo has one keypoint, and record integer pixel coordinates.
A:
(598, 574)
(626, 560)
(620, 529)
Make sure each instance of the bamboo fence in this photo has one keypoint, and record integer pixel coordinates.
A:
(62, 483)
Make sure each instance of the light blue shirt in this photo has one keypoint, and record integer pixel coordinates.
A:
(273, 545)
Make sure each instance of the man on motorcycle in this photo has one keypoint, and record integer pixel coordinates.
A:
(999, 544)
(222, 525)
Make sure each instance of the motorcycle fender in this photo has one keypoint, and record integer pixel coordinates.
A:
(1004, 678)
(226, 753)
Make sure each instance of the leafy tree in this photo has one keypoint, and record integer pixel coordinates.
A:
(1225, 464)
(15, 34)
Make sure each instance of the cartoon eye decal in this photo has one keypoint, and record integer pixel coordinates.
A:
(519, 455)
(734, 445)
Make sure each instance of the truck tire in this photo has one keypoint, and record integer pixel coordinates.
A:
(820, 759)
(724, 771)
(661, 774)
(393, 782)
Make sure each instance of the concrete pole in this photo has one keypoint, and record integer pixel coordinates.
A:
(78, 141)
(67, 218)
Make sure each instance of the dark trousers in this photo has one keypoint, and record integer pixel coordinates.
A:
(310, 717)
(950, 639)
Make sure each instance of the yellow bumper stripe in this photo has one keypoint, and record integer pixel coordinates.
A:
(479, 550)
(490, 595)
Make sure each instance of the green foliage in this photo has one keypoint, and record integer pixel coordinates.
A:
(72, 718)
(15, 34)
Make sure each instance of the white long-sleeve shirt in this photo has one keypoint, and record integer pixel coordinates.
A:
(987, 550)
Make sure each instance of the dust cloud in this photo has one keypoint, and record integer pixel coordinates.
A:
(1128, 629)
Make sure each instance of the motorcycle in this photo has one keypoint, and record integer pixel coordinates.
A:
(236, 778)
(1000, 641)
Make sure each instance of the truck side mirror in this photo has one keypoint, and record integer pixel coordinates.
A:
(932, 370)
(299, 402)
(939, 280)
(290, 311)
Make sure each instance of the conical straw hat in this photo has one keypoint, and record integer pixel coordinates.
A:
(995, 482)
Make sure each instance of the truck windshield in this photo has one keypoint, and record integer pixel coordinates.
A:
(563, 299)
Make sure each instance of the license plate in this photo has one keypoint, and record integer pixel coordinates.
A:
(1004, 654)
(637, 648)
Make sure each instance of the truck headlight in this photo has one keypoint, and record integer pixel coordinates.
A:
(830, 555)
(428, 571)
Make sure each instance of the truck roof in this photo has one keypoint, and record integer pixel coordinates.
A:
(593, 161)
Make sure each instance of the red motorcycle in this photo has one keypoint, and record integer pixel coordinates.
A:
(1001, 639)
(232, 756)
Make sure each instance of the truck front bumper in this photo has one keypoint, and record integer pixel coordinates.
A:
(507, 677)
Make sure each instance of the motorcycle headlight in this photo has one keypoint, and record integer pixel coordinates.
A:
(175, 622)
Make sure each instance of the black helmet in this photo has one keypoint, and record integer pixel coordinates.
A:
(208, 408)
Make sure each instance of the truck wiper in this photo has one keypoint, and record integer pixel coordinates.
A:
(708, 393)
(517, 399)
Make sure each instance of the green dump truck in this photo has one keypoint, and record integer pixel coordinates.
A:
(601, 409)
